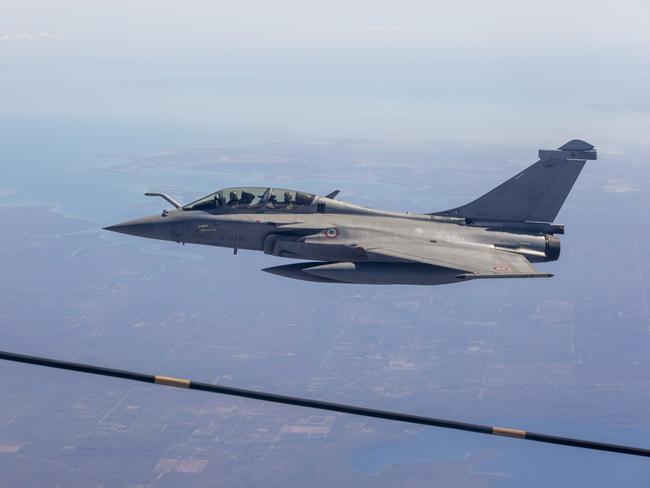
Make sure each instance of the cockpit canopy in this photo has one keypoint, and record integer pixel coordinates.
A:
(253, 199)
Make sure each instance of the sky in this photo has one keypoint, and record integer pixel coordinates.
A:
(220, 72)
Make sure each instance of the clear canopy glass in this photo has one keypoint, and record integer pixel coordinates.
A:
(252, 198)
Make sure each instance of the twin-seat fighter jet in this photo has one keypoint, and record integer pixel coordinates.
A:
(498, 235)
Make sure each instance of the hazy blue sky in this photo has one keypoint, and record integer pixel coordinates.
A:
(229, 71)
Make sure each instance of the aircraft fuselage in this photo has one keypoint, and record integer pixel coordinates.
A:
(498, 235)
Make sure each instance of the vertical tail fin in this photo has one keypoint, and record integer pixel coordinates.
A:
(537, 193)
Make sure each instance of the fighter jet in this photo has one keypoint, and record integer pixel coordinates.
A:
(498, 235)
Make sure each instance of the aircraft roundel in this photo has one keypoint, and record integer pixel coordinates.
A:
(331, 233)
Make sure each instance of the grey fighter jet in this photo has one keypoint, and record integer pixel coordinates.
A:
(497, 235)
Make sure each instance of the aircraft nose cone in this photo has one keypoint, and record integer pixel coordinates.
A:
(153, 227)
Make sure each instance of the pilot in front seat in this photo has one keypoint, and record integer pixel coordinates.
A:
(233, 200)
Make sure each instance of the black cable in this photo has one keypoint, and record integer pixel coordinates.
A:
(321, 405)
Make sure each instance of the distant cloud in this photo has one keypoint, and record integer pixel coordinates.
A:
(49, 35)
(621, 186)
(384, 28)
(17, 37)
(31, 37)
(374, 29)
